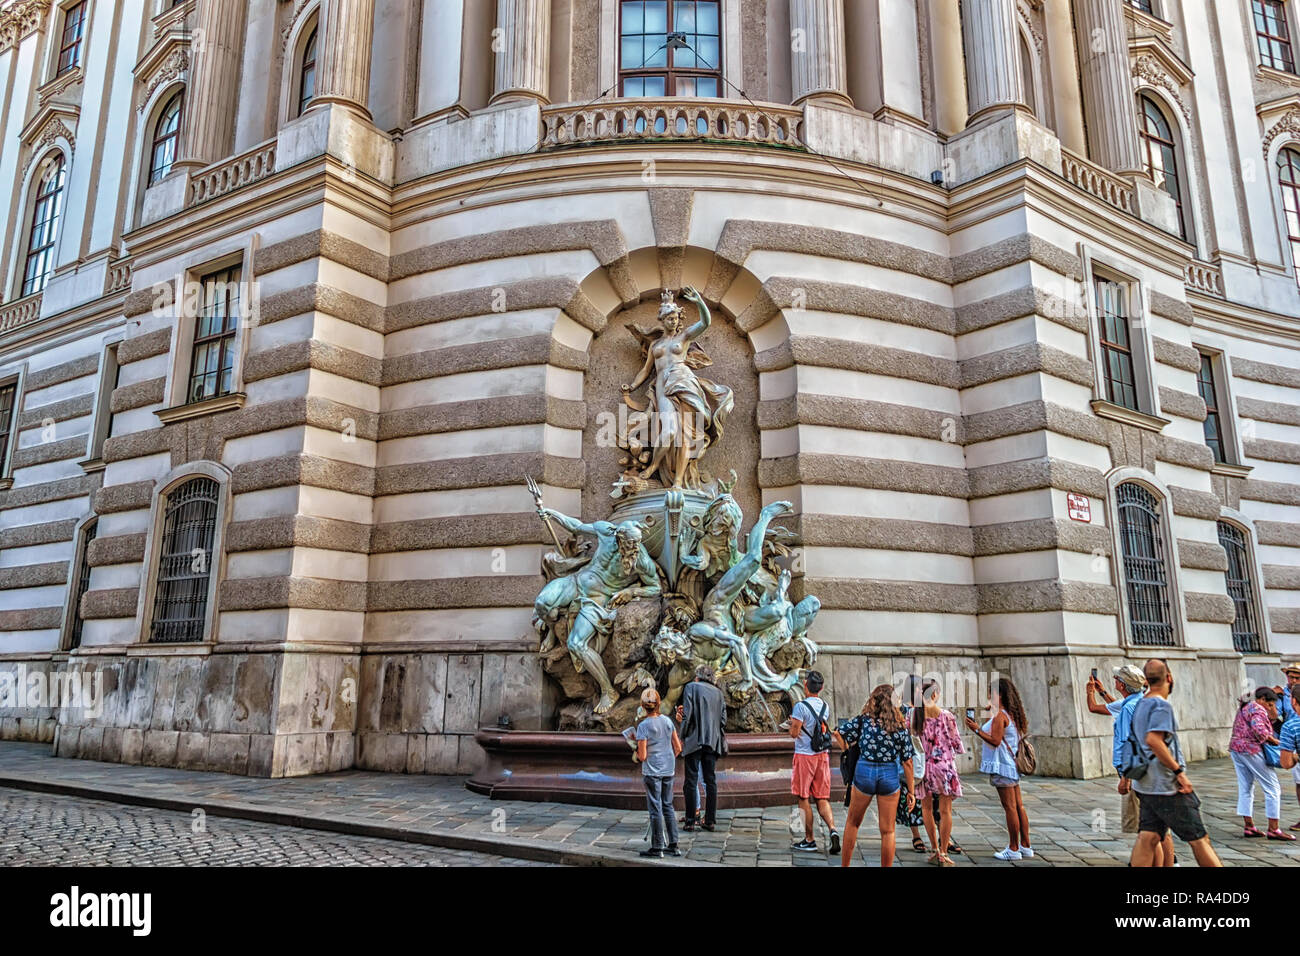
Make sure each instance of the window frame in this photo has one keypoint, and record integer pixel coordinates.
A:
(1289, 190)
(78, 45)
(34, 196)
(1267, 60)
(1170, 561)
(70, 636)
(9, 429)
(1177, 148)
(145, 606)
(174, 137)
(1097, 265)
(669, 72)
(110, 371)
(312, 42)
(1253, 582)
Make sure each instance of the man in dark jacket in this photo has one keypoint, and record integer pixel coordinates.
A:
(703, 715)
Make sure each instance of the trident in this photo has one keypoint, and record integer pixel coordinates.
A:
(537, 496)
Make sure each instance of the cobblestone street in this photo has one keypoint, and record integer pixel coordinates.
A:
(1073, 822)
(50, 830)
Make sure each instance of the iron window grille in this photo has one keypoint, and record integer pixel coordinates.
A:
(1145, 574)
(1213, 422)
(46, 213)
(83, 585)
(307, 75)
(1241, 588)
(1273, 34)
(1160, 155)
(8, 399)
(212, 359)
(166, 137)
(1116, 344)
(74, 27)
(185, 563)
(651, 66)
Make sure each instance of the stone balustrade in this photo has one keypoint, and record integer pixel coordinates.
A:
(673, 119)
(118, 277)
(20, 312)
(1204, 277)
(231, 174)
(1097, 182)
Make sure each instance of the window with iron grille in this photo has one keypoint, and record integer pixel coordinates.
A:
(1213, 423)
(189, 532)
(166, 137)
(47, 210)
(307, 75)
(1241, 588)
(212, 359)
(83, 584)
(1116, 343)
(74, 27)
(651, 65)
(1161, 155)
(8, 399)
(1145, 574)
(1273, 34)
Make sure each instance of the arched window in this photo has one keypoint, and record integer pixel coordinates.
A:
(670, 48)
(1028, 76)
(1288, 174)
(1241, 588)
(82, 583)
(307, 74)
(1146, 580)
(166, 136)
(47, 209)
(1160, 153)
(185, 561)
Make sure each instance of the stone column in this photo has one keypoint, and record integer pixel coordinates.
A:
(213, 92)
(993, 79)
(1107, 85)
(817, 58)
(521, 48)
(347, 31)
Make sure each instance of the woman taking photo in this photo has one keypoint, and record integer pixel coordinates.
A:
(940, 743)
(883, 741)
(1001, 736)
(1252, 729)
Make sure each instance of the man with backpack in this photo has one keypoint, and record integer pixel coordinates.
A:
(1152, 759)
(1130, 685)
(810, 726)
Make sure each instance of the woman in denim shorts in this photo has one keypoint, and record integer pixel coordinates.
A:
(883, 742)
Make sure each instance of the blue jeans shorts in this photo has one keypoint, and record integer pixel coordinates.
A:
(876, 779)
(1002, 782)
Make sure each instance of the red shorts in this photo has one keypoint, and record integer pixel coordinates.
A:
(811, 776)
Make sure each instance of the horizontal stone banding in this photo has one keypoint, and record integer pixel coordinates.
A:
(882, 534)
(34, 575)
(1284, 620)
(1267, 450)
(1281, 533)
(255, 594)
(138, 395)
(312, 354)
(288, 531)
(1033, 474)
(1262, 411)
(785, 292)
(603, 237)
(562, 294)
(481, 357)
(1283, 577)
(1016, 304)
(1040, 534)
(1209, 608)
(131, 496)
(58, 374)
(47, 491)
(1028, 597)
(76, 407)
(876, 473)
(1013, 251)
(834, 411)
(322, 244)
(146, 346)
(458, 531)
(481, 471)
(1195, 504)
(861, 594)
(864, 357)
(325, 300)
(115, 549)
(1030, 358)
(1170, 308)
(45, 452)
(1033, 417)
(495, 412)
(497, 590)
(1202, 555)
(1182, 404)
(1174, 355)
(1265, 372)
(45, 532)
(311, 470)
(31, 619)
(107, 603)
(1274, 492)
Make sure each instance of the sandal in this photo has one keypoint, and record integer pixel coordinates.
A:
(918, 844)
(1251, 833)
(1279, 835)
(934, 860)
(1295, 826)
(944, 861)
(953, 848)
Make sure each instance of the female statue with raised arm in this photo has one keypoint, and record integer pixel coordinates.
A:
(689, 411)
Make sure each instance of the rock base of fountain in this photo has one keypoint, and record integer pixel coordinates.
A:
(597, 770)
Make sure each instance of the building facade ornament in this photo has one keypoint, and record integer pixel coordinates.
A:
(53, 131)
(1147, 71)
(176, 64)
(1289, 123)
(1025, 10)
(290, 23)
(20, 21)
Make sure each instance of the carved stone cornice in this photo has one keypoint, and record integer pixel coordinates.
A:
(1150, 71)
(20, 21)
(49, 133)
(1289, 123)
(176, 63)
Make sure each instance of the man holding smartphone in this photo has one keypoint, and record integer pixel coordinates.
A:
(1167, 799)
(1129, 685)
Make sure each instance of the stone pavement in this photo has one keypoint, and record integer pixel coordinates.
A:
(49, 830)
(1073, 822)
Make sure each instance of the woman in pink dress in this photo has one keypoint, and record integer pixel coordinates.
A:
(937, 730)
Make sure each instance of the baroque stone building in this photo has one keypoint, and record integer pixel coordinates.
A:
(296, 292)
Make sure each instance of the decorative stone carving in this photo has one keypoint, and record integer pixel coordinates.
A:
(1289, 123)
(1147, 71)
(176, 63)
(20, 21)
(664, 585)
(51, 132)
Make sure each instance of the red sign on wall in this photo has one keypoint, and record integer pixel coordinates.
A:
(1080, 507)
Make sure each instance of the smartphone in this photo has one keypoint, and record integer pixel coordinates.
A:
(1094, 673)
(970, 713)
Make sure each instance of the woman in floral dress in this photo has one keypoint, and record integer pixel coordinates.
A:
(937, 730)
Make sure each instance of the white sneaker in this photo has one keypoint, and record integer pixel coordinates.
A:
(1007, 855)
(1027, 852)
